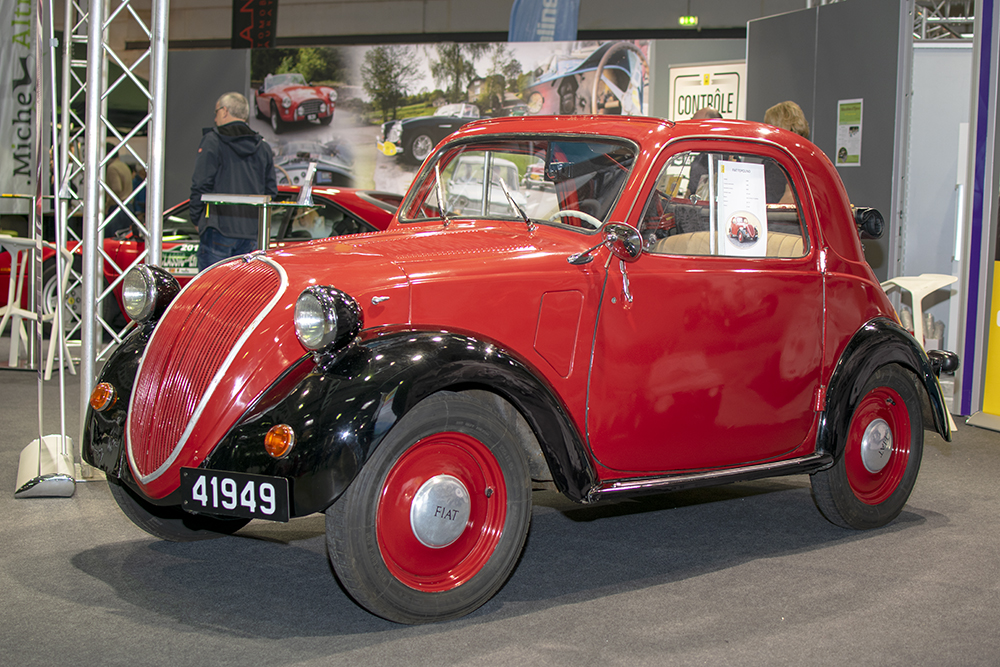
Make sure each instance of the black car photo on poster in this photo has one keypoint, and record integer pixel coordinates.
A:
(413, 139)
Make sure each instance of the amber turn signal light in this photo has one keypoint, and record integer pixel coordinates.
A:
(279, 440)
(103, 397)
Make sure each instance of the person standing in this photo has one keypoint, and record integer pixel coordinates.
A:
(119, 179)
(232, 159)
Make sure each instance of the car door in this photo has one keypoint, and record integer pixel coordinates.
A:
(708, 349)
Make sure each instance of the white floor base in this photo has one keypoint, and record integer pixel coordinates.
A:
(44, 471)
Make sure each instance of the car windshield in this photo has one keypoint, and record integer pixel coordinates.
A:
(580, 181)
(460, 110)
(292, 79)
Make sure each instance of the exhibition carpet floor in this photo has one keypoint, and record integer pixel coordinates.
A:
(746, 574)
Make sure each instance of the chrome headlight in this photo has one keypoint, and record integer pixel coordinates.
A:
(395, 132)
(332, 95)
(286, 102)
(326, 317)
(147, 291)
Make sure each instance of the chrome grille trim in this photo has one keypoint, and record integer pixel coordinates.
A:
(212, 386)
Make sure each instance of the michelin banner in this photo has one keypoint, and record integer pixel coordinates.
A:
(17, 103)
(543, 20)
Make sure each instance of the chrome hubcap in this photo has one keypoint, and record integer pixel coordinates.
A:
(876, 446)
(440, 511)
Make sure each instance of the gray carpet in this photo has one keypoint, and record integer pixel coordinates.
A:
(746, 574)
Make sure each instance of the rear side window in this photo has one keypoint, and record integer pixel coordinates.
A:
(727, 204)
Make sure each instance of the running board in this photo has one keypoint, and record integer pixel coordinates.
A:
(639, 485)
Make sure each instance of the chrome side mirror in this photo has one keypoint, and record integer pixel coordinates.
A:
(623, 240)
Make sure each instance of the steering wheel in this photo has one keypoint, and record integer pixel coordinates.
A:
(628, 98)
(288, 179)
(569, 213)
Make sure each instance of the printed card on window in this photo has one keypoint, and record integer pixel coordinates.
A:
(742, 209)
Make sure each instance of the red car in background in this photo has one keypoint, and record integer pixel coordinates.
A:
(336, 211)
(288, 98)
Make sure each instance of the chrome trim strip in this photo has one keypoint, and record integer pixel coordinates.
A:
(213, 385)
(652, 484)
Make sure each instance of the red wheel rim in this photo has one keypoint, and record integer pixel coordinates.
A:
(886, 405)
(461, 457)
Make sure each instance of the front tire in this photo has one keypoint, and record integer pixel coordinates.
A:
(418, 148)
(277, 125)
(170, 523)
(434, 524)
(877, 468)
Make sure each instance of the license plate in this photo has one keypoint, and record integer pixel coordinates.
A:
(234, 494)
(311, 116)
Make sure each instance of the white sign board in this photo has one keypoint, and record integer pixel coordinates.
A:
(742, 209)
(717, 85)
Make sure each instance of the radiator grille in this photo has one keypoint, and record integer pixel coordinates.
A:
(310, 106)
(188, 348)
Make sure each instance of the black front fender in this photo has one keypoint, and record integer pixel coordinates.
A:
(342, 410)
(878, 343)
(104, 432)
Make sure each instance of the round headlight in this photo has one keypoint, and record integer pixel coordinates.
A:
(395, 132)
(286, 102)
(326, 317)
(332, 94)
(147, 291)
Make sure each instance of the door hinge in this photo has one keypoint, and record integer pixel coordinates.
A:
(819, 399)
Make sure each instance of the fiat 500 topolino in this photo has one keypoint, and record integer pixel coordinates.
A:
(414, 384)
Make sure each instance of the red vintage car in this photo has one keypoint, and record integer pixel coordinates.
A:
(336, 211)
(742, 229)
(415, 385)
(288, 98)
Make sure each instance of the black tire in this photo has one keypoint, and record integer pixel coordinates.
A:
(326, 120)
(256, 109)
(418, 147)
(878, 463)
(277, 124)
(170, 523)
(439, 569)
(73, 298)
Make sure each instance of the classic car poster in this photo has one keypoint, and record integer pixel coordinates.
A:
(330, 105)
(716, 85)
(849, 120)
(742, 209)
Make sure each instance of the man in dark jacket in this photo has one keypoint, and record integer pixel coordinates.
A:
(231, 159)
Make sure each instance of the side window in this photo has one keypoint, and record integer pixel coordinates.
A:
(732, 204)
(323, 220)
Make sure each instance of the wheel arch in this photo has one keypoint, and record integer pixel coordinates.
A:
(459, 363)
(880, 342)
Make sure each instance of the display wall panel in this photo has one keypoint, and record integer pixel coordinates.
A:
(671, 53)
(195, 80)
(860, 50)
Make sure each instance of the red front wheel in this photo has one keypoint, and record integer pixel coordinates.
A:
(434, 524)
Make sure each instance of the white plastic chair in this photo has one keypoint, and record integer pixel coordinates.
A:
(20, 252)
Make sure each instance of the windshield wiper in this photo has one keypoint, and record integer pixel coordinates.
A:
(440, 194)
(514, 205)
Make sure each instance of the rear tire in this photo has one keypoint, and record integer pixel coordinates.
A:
(170, 523)
(436, 521)
(877, 467)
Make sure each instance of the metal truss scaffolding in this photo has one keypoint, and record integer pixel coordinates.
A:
(944, 19)
(83, 158)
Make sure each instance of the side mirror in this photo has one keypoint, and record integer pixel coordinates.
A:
(869, 222)
(623, 240)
